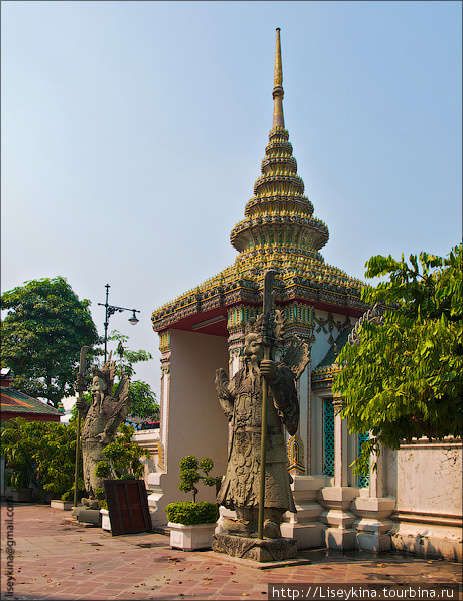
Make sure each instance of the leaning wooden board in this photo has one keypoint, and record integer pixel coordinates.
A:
(127, 506)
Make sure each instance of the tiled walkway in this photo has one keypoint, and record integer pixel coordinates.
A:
(56, 560)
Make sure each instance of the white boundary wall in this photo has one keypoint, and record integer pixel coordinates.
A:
(425, 478)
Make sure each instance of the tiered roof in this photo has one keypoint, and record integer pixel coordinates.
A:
(279, 231)
(14, 403)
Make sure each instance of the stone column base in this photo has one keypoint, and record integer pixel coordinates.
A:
(376, 543)
(336, 501)
(373, 523)
(87, 516)
(269, 549)
(340, 538)
(157, 499)
(307, 535)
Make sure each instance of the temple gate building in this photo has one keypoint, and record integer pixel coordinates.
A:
(203, 329)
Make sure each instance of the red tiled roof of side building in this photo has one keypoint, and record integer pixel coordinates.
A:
(14, 403)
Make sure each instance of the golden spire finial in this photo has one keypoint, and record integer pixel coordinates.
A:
(278, 71)
(278, 93)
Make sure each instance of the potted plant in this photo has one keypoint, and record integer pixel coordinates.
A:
(192, 525)
(123, 463)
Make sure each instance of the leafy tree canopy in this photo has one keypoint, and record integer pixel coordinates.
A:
(42, 334)
(404, 379)
(42, 453)
(143, 403)
(143, 398)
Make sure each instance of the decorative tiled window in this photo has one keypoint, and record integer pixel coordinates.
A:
(328, 438)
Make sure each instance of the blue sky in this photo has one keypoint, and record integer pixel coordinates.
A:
(132, 134)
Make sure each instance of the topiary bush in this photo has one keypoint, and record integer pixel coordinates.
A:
(189, 475)
(189, 513)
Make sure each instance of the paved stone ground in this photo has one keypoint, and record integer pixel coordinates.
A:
(56, 560)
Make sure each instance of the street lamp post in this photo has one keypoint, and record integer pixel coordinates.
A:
(110, 310)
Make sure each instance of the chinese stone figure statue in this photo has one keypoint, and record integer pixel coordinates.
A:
(102, 418)
(241, 400)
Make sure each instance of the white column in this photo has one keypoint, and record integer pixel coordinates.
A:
(373, 512)
(340, 445)
(337, 499)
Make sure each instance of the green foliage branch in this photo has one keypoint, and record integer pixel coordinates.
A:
(123, 460)
(404, 379)
(143, 403)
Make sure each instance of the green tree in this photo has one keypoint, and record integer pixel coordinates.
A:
(19, 439)
(56, 460)
(123, 456)
(42, 334)
(127, 357)
(404, 379)
(143, 403)
(42, 453)
(143, 398)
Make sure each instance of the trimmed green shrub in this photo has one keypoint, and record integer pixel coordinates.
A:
(189, 475)
(188, 513)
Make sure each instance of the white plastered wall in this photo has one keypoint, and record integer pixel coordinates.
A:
(192, 420)
(426, 479)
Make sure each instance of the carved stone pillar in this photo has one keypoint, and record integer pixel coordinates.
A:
(373, 512)
(337, 498)
(305, 526)
(156, 502)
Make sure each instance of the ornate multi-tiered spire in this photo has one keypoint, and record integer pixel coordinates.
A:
(279, 222)
(278, 231)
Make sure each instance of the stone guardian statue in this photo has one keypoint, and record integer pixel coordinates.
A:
(102, 418)
(241, 399)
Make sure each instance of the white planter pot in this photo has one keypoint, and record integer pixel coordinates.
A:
(105, 521)
(64, 505)
(190, 538)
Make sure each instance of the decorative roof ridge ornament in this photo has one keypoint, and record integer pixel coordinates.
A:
(278, 92)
